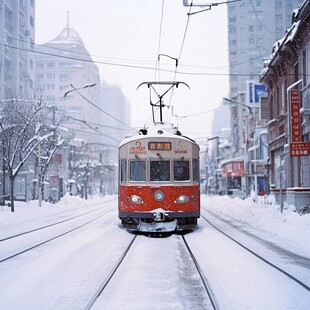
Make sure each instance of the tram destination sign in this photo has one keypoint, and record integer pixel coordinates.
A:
(159, 146)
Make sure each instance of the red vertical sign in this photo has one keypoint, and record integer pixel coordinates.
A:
(295, 116)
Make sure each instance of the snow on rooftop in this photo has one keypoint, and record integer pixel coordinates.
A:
(158, 129)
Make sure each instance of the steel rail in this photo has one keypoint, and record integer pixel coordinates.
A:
(107, 280)
(202, 277)
(305, 286)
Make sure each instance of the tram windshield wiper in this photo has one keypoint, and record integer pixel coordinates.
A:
(159, 156)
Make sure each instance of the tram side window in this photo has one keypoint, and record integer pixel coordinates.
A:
(123, 170)
(195, 170)
(181, 170)
(138, 170)
(160, 170)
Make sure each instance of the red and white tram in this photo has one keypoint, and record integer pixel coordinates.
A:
(159, 180)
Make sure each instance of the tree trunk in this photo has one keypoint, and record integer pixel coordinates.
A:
(12, 193)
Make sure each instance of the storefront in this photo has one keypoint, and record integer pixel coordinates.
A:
(233, 178)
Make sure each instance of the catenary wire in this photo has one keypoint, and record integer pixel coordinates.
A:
(159, 40)
(132, 66)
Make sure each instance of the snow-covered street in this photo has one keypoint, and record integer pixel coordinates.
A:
(157, 273)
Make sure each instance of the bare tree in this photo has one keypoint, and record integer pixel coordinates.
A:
(48, 147)
(20, 134)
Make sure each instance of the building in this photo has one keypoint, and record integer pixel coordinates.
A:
(116, 120)
(17, 30)
(287, 75)
(68, 82)
(17, 73)
(63, 65)
(253, 27)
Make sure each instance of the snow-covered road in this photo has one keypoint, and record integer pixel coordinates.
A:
(157, 273)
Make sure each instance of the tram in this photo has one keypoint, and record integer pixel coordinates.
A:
(158, 180)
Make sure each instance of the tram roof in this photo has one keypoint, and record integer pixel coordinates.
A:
(159, 130)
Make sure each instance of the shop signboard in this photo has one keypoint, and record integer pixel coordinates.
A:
(233, 169)
(299, 149)
(295, 116)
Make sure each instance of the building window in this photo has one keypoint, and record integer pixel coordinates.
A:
(50, 98)
(8, 19)
(31, 21)
(306, 66)
(7, 69)
(64, 76)
(232, 19)
(21, 21)
(271, 107)
(232, 30)
(234, 90)
(232, 43)
(50, 76)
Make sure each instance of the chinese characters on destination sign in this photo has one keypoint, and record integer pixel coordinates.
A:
(160, 146)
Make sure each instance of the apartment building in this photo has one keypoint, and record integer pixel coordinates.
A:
(17, 32)
(253, 27)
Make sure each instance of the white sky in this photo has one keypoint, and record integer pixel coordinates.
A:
(127, 32)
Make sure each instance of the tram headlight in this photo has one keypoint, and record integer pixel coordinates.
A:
(135, 199)
(182, 199)
(159, 196)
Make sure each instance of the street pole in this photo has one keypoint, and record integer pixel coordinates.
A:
(246, 162)
(255, 166)
(39, 160)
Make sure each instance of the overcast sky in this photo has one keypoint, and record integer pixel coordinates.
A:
(127, 33)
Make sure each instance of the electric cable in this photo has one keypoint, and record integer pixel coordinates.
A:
(159, 40)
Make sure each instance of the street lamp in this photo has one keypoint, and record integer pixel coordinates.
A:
(247, 133)
(75, 89)
(240, 103)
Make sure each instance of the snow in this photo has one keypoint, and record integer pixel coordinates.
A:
(65, 274)
(289, 228)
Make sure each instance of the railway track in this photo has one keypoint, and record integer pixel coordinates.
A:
(260, 257)
(202, 276)
(56, 223)
(32, 239)
(107, 280)
(193, 260)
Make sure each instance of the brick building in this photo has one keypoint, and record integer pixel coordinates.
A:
(287, 76)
